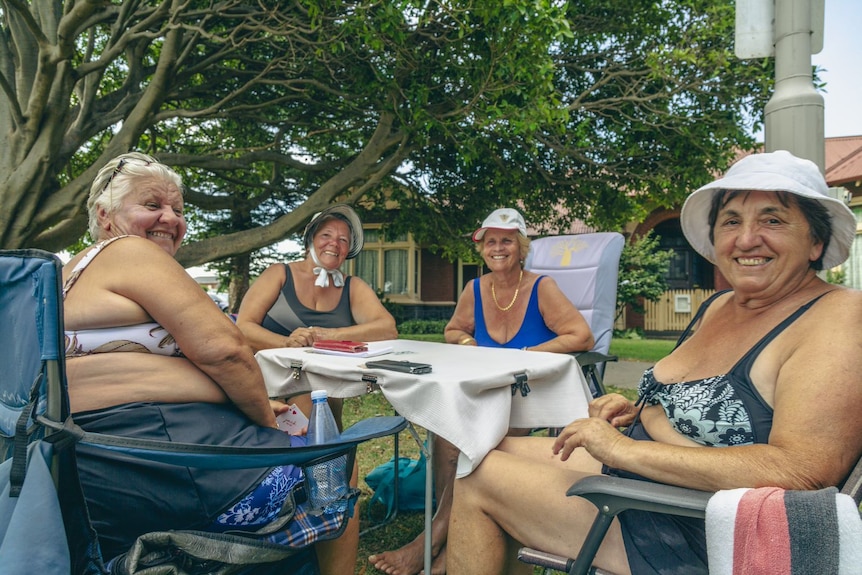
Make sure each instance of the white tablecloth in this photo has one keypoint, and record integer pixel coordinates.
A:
(466, 399)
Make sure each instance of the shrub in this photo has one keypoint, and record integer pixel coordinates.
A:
(422, 326)
(630, 333)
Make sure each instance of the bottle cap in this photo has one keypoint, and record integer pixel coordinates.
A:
(318, 394)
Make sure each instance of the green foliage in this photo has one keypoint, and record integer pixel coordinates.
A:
(642, 273)
(838, 277)
(630, 333)
(598, 110)
(422, 326)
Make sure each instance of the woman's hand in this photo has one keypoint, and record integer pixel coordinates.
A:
(278, 407)
(300, 337)
(595, 435)
(613, 408)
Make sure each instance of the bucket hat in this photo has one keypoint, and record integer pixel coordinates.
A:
(347, 215)
(502, 219)
(778, 171)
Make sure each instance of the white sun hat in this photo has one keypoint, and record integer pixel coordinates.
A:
(502, 219)
(778, 171)
(347, 215)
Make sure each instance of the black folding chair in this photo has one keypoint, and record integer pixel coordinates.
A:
(613, 495)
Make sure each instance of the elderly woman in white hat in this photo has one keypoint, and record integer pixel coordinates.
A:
(768, 371)
(298, 303)
(507, 307)
(511, 307)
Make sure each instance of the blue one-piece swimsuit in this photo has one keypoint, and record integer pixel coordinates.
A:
(533, 330)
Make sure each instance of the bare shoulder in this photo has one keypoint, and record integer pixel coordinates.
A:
(133, 255)
(546, 283)
(833, 321)
(275, 271)
(357, 282)
(841, 305)
(359, 288)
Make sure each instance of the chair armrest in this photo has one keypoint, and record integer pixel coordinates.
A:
(587, 358)
(611, 495)
(373, 427)
(592, 365)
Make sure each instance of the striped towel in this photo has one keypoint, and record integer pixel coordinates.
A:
(773, 531)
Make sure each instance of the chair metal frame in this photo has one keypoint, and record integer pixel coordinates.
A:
(612, 495)
(34, 405)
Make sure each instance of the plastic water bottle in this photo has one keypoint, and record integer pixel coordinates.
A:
(327, 481)
(321, 425)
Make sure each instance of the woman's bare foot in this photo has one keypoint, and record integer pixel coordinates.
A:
(407, 560)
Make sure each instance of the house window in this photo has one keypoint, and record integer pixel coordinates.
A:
(367, 268)
(687, 268)
(390, 265)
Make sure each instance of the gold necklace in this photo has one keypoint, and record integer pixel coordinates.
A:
(514, 297)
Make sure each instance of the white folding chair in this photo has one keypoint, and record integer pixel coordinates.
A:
(586, 267)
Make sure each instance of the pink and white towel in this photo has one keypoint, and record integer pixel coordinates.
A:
(769, 531)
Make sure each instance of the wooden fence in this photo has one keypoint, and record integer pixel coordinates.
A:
(674, 310)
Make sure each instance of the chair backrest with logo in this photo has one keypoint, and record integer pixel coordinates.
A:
(586, 267)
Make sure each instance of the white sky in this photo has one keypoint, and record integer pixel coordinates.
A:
(842, 60)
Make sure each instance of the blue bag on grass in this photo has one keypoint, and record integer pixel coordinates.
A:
(411, 484)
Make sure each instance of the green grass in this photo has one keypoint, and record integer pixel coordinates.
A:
(407, 525)
(436, 337)
(369, 455)
(649, 350)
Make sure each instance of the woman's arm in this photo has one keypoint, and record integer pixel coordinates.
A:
(256, 303)
(143, 273)
(561, 317)
(462, 326)
(373, 321)
(816, 432)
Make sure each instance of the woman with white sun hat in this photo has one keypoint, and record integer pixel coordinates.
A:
(767, 371)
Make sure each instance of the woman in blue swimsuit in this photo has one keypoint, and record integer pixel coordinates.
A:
(508, 307)
(740, 402)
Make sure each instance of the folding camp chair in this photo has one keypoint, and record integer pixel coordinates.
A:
(586, 267)
(44, 523)
(612, 495)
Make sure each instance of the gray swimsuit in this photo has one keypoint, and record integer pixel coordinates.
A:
(288, 313)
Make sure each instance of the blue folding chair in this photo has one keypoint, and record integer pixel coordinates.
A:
(44, 522)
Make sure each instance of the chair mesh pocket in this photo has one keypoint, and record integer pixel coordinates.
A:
(327, 482)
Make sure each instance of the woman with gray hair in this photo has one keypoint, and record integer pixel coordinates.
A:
(768, 371)
(149, 356)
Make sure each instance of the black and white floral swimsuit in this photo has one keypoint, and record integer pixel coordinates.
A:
(722, 410)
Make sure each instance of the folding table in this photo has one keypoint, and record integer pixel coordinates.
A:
(471, 398)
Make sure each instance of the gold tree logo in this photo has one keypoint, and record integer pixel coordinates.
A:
(566, 248)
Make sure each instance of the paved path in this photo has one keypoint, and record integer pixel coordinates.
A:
(625, 373)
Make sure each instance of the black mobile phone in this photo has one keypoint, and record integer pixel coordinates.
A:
(403, 366)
